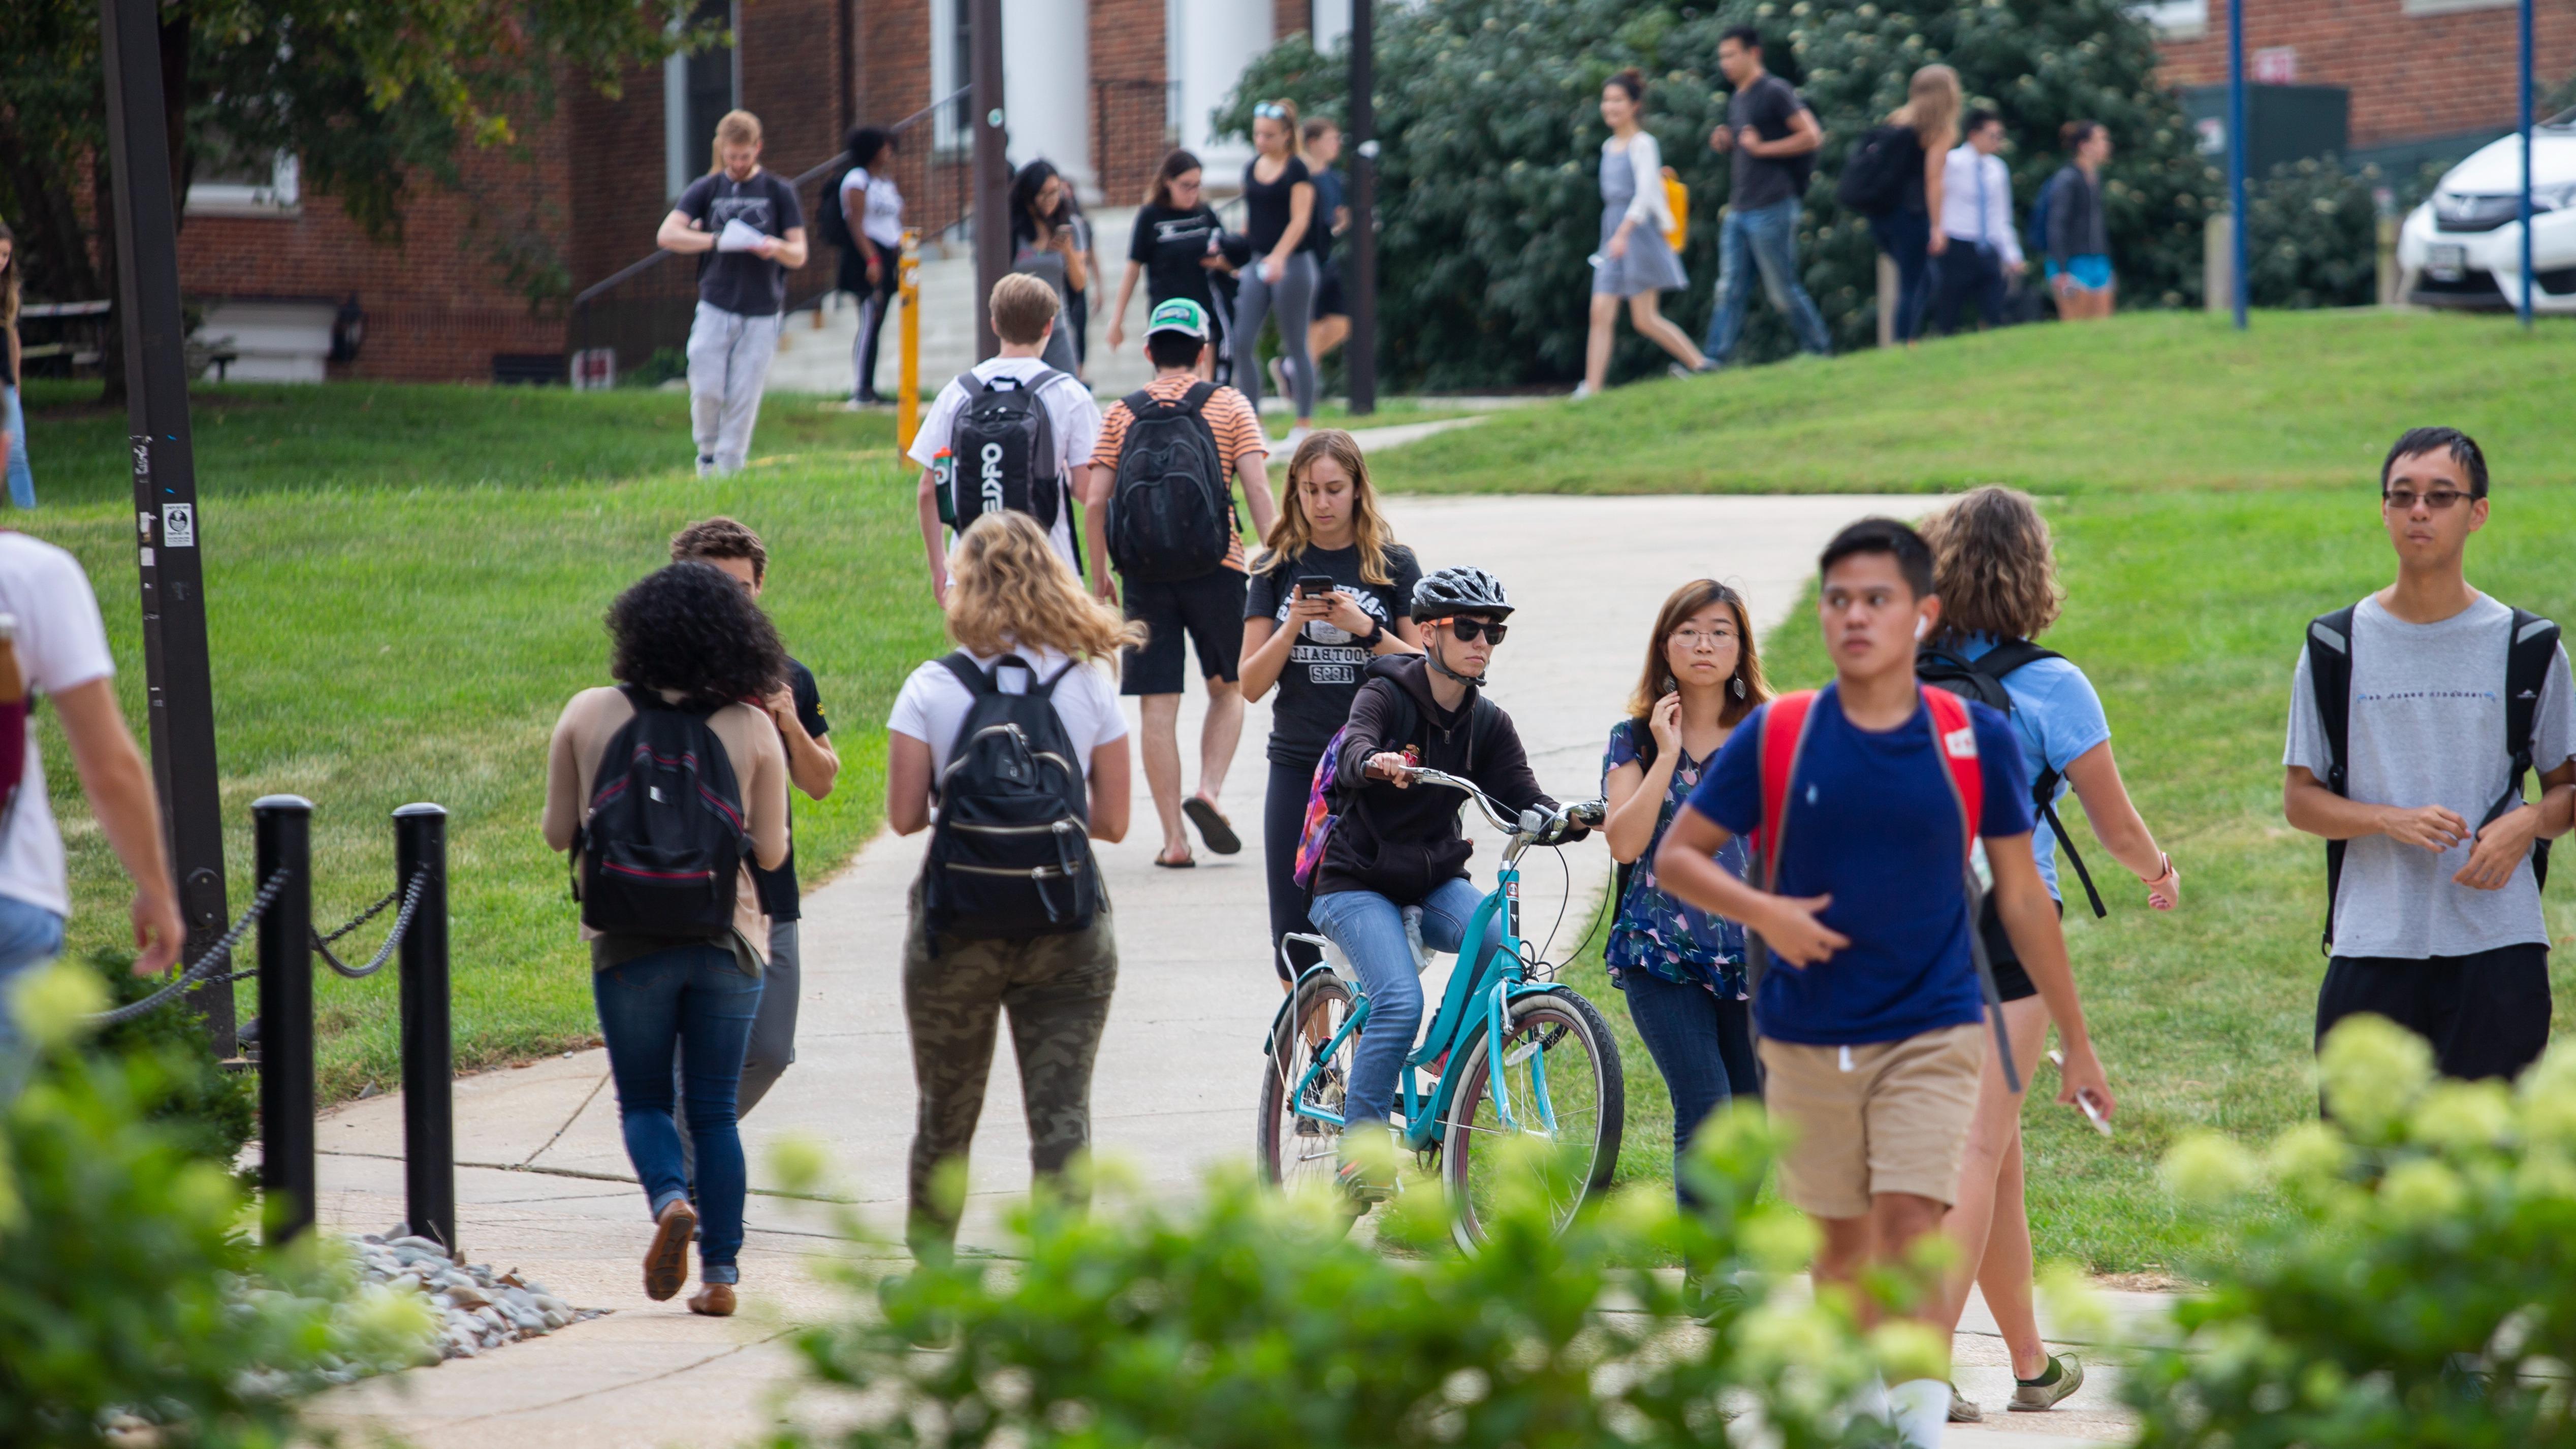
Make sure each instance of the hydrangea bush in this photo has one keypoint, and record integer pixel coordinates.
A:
(2422, 1287)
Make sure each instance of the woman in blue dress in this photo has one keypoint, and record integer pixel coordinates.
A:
(1635, 263)
(1682, 970)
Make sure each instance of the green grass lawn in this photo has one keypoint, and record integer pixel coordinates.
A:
(405, 584)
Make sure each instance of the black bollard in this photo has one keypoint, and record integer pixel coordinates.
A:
(283, 827)
(428, 1047)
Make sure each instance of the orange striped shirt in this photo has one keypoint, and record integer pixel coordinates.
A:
(1228, 414)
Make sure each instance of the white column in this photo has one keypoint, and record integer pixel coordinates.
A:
(1211, 42)
(1046, 81)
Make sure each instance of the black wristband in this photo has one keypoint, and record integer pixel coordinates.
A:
(1376, 635)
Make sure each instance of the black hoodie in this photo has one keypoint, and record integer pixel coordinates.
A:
(1403, 844)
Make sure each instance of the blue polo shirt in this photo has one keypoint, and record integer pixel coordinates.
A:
(1872, 822)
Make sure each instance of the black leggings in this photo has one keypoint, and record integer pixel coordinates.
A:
(1283, 820)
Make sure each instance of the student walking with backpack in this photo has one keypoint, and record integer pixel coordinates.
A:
(1177, 247)
(1774, 138)
(1161, 511)
(1280, 220)
(2077, 234)
(1997, 577)
(1635, 261)
(1331, 591)
(865, 221)
(2414, 716)
(1895, 178)
(747, 229)
(1013, 753)
(1863, 803)
(1682, 970)
(668, 790)
(1011, 434)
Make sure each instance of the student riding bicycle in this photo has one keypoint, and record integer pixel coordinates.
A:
(1394, 847)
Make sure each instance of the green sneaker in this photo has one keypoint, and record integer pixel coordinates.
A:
(2064, 1376)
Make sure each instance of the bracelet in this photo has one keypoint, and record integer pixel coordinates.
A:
(2167, 874)
(1376, 635)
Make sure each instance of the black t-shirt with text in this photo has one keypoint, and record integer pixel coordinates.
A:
(778, 894)
(745, 283)
(1322, 676)
(1770, 105)
(1168, 242)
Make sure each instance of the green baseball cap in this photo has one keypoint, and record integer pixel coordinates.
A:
(1181, 315)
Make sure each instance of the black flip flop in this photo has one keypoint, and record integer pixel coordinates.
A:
(1213, 828)
(1187, 862)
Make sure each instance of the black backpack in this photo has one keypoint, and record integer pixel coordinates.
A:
(830, 223)
(1010, 857)
(1874, 173)
(2530, 647)
(1982, 679)
(1001, 454)
(662, 851)
(1171, 512)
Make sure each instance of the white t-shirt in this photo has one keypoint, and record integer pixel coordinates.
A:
(1070, 409)
(932, 705)
(62, 644)
(881, 217)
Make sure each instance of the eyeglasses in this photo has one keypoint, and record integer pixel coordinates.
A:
(1269, 112)
(1469, 630)
(1694, 639)
(2405, 499)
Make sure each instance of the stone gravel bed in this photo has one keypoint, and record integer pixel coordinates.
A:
(482, 1309)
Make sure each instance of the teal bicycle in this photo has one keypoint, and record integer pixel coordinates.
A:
(1510, 1053)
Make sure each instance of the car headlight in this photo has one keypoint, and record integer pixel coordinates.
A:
(2561, 197)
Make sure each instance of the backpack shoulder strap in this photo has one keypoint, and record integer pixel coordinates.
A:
(2329, 653)
(1196, 397)
(1137, 402)
(973, 385)
(1045, 688)
(2009, 655)
(2526, 673)
(1954, 738)
(1784, 739)
(962, 664)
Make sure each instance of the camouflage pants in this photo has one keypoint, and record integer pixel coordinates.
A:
(1056, 989)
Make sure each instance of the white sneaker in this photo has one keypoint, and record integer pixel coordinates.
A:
(1289, 443)
(706, 465)
(1582, 390)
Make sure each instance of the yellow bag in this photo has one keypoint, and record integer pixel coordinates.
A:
(1677, 201)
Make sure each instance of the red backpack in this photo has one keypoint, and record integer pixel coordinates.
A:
(1784, 742)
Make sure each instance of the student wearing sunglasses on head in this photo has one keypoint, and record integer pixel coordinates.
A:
(1395, 846)
(2414, 717)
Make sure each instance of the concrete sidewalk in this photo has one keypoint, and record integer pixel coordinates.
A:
(543, 1175)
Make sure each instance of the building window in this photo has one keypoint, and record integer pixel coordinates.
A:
(697, 90)
(2175, 19)
(2448, 7)
(952, 69)
(226, 184)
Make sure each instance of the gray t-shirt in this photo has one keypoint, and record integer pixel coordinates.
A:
(2427, 728)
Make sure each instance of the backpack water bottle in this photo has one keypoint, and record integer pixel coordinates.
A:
(1010, 856)
(1171, 515)
(662, 850)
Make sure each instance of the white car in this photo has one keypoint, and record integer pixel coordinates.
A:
(2463, 247)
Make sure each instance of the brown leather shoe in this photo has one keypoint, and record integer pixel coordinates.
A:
(666, 1263)
(715, 1300)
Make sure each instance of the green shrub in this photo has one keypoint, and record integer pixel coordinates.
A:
(1252, 1320)
(2422, 1289)
(2315, 239)
(1488, 114)
(127, 1289)
(210, 1111)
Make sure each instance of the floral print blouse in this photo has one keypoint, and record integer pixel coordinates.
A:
(1654, 932)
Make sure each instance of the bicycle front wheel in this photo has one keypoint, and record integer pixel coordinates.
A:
(1553, 1108)
(1293, 1148)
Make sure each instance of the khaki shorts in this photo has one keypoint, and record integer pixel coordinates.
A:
(1896, 1121)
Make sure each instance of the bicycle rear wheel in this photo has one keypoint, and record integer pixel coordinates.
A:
(1294, 1149)
(1560, 1076)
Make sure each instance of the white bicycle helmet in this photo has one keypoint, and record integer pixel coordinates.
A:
(1460, 591)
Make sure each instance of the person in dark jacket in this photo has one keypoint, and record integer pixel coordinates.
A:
(2079, 240)
(1397, 848)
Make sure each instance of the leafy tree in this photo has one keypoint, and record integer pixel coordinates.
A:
(1488, 114)
(373, 99)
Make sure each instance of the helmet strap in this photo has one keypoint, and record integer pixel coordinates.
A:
(1431, 657)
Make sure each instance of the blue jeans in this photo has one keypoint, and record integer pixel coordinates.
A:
(1906, 237)
(693, 1000)
(13, 421)
(30, 936)
(1370, 930)
(1765, 237)
(1703, 1047)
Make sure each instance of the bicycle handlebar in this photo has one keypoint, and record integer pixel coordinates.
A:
(1586, 814)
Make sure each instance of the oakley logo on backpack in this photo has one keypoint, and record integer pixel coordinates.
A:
(992, 477)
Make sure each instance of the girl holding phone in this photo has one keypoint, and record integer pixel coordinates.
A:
(1331, 589)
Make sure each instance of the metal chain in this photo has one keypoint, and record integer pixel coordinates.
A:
(197, 974)
(402, 926)
(369, 914)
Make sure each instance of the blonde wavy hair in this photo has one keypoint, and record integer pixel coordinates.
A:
(1932, 102)
(1292, 534)
(1993, 565)
(1009, 589)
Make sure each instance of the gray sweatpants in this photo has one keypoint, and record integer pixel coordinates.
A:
(1292, 300)
(773, 1038)
(729, 357)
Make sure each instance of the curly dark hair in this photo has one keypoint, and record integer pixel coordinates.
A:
(690, 627)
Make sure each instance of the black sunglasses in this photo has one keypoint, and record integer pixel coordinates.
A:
(1468, 629)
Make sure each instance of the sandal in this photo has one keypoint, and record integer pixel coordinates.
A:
(1187, 862)
(1214, 828)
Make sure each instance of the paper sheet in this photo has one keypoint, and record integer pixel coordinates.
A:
(740, 236)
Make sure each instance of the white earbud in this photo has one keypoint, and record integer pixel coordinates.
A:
(1921, 628)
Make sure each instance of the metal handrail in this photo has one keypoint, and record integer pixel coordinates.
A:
(658, 256)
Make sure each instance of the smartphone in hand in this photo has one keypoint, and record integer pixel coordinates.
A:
(1314, 586)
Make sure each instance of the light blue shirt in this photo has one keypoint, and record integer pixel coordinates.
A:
(2059, 718)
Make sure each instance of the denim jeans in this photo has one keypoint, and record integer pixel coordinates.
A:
(1703, 1047)
(1763, 238)
(771, 1048)
(13, 421)
(30, 936)
(1906, 237)
(1370, 930)
(694, 1000)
